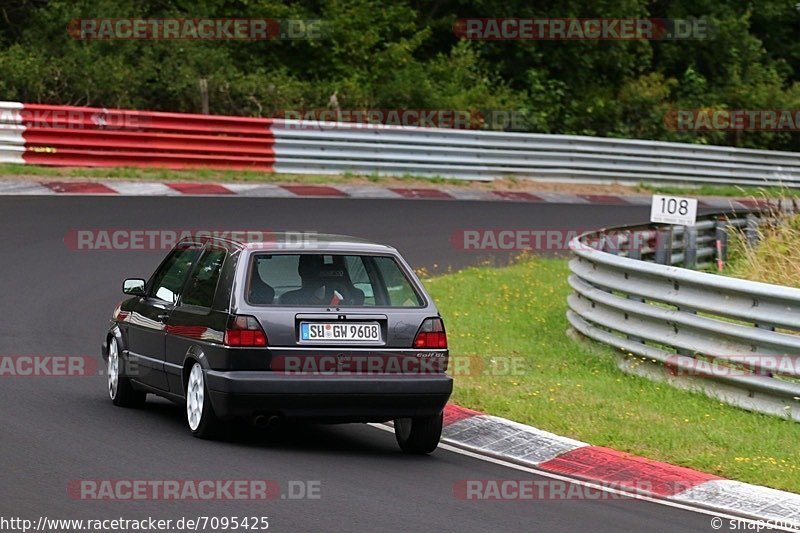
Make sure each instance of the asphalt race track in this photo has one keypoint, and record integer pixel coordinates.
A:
(57, 301)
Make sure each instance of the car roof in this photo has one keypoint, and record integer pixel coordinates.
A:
(297, 241)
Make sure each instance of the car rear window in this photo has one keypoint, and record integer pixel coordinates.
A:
(326, 280)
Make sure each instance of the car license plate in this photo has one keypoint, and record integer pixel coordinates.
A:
(340, 331)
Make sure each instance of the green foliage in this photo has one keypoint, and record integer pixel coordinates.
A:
(405, 54)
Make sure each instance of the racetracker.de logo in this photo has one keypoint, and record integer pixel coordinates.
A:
(74, 119)
(747, 365)
(40, 365)
(694, 120)
(209, 29)
(143, 240)
(556, 489)
(580, 29)
(193, 489)
(462, 119)
(546, 240)
(421, 363)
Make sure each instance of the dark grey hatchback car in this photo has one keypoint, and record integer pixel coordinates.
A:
(326, 328)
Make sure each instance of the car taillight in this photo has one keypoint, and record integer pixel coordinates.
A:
(431, 335)
(244, 330)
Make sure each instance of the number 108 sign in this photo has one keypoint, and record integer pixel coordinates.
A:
(673, 210)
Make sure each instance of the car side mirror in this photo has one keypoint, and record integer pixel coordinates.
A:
(134, 287)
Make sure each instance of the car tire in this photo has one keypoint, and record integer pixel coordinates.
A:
(120, 388)
(200, 417)
(419, 435)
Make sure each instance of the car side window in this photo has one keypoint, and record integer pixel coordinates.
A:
(203, 285)
(170, 278)
(360, 278)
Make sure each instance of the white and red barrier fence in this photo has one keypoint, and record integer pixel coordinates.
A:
(88, 137)
(80, 136)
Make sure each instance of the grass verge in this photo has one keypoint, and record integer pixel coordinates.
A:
(574, 388)
(347, 178)
(722, 190)
(199, 174)
(257, 176)
(776, 257)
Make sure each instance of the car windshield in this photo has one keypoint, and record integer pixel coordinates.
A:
(326, 280)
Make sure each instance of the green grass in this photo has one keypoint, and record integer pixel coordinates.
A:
(251, 176)
(163, 174)
(721, 190)
(192, 175)
(574, 388)
(219, 175)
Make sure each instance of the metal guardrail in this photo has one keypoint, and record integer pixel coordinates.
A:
(12, 143)
(81, 136)
(341, 147)
(91, 137)
(734, 339)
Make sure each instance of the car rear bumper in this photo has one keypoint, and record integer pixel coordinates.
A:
(332, 397)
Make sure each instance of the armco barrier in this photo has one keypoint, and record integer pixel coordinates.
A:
(733, 339)
(79, 136)
(12, 142)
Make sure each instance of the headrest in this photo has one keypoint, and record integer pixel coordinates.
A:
(309, 265)
(335, 271)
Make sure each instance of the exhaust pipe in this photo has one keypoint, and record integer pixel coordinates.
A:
(264, 421)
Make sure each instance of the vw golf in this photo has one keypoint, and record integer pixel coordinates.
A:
(334, 330)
